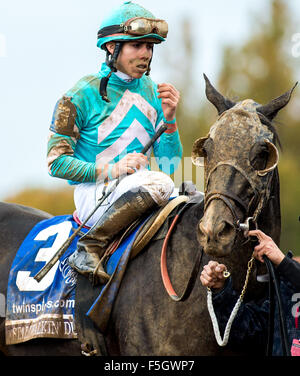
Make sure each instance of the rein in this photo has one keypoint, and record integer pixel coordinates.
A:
(274, 291)
(164, 270)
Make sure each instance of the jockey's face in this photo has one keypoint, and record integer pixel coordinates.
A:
(134, 57)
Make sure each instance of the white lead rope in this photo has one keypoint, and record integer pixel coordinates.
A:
(224, 341)
(220, 341)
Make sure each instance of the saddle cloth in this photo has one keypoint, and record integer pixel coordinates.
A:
(46, 309)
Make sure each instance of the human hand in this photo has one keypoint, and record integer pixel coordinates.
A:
(129, 164)
(212, 275)
(266, 247)
(170, 98)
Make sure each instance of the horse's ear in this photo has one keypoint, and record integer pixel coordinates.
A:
(198, 152)
(271, 109)
(221, 103)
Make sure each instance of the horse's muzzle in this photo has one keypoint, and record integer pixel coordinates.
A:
(217, 239)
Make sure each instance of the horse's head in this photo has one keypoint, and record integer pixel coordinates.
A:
(240, 157)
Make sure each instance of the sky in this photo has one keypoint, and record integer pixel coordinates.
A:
(46, 47)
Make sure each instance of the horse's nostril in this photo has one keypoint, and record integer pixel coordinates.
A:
(203, 233)
(223, 232)
(226, 231)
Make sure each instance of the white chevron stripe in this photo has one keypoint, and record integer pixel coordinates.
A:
(135, 130)
(127, 101)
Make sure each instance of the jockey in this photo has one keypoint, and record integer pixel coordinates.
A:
(100, 126)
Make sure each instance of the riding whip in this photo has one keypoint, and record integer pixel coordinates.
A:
(46, 268)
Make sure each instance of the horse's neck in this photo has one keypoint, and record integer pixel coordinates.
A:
(183, 242)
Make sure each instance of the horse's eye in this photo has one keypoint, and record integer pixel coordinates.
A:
(258, 156)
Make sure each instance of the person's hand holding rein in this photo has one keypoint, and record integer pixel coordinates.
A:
(129, 164)
(266, 247)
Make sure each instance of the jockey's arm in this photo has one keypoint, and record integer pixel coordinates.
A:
(168, 152)
(62, 164)
(67, 125)
(168, 149)
(64, 133)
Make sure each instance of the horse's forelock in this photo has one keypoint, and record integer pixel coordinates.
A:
(245, 108)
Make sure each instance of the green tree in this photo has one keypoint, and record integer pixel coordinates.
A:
(263, 68)
(55, 202)
(194, 116)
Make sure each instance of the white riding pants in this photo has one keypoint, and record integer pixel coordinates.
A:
(87, 195)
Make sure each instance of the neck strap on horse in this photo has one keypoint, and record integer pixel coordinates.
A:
(164, 269)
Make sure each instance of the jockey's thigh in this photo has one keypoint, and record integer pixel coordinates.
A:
(86, 195)
(85, 202)
(158, 184)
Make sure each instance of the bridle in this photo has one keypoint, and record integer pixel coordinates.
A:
(258, 201)
(251, 210)
(261, 199)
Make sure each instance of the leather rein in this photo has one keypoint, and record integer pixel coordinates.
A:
(164, 270)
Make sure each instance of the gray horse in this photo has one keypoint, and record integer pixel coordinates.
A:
(240, 159)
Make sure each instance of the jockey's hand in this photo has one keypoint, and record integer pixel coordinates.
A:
(212, 275)
(129, 164)
(170, 98)
(266, 247)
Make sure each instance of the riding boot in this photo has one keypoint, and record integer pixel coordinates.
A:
(92, 246)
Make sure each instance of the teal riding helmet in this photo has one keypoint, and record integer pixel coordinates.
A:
(127, 23)
(118, 17)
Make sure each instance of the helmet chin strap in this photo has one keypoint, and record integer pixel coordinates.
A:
(111, 63)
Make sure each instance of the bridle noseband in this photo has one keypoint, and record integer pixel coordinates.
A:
(227, 197)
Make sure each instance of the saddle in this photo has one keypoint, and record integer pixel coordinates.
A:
(100, 303)
(94, 303)
(148, 229)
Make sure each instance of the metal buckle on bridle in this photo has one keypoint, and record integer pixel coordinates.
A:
(245, 227)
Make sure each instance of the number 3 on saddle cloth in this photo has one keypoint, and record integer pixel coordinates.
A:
(46, 308)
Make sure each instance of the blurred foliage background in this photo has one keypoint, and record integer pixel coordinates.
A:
(262, 68)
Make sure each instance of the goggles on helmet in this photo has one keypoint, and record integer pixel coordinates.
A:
(138, 26)
(143, 26)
